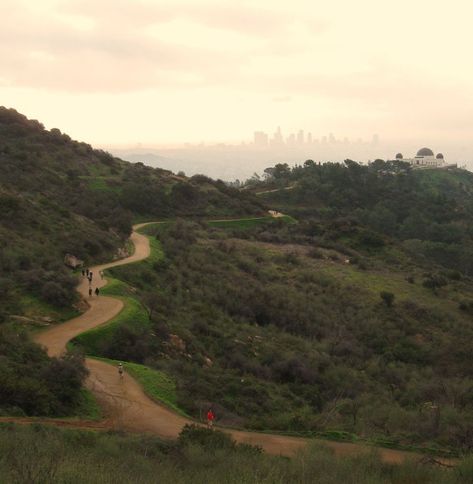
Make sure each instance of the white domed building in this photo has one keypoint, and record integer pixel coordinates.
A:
(425, 158)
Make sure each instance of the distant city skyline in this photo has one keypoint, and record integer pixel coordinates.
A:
(262, 139)
(241, 159)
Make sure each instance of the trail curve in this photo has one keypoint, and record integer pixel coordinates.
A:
(124, 402)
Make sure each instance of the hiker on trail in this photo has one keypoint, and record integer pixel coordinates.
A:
(97, 291)
(90, 275)
(90, 291)
(101, 274)
(210, 418)
(87, 272)
(120, 370)
(83, 273)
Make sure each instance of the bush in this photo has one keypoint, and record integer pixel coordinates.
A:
(434, 281)
(466, 305)
(34, 383)
(387, 298)
(315, 253)
(56, 294)
(208, 438)
(213, 440)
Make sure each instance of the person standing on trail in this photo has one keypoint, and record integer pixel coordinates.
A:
(83, 273)
(101, 275)
(87, 272)
(210, 418)
(120, 370)
(90, 275)
(97, 291)
(90, 292)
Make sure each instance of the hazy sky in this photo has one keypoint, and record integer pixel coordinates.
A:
(126, 71)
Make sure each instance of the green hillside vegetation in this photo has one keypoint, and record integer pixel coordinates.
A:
(276, 331)
(59, 196)
(428, 211)
(351, 316)
(33, 384)
(133, 317)
(41, 454)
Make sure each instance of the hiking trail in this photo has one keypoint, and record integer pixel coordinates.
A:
(123, 401)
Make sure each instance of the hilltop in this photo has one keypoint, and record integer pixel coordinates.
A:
(426, 213)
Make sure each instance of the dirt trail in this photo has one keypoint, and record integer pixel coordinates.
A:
(102, 308)
(125, 404)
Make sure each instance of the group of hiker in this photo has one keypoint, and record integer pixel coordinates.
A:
(89, 274)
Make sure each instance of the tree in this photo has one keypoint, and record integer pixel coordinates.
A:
(55, 293)
(279, 172)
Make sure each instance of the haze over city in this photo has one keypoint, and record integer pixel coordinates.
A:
(124, 74)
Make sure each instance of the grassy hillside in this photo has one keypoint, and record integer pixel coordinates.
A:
(352, 317)
(59, 196)
(277, 331)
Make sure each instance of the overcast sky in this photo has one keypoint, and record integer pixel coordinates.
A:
(128, 71)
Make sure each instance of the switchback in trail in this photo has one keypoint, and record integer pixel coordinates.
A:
(125, 404)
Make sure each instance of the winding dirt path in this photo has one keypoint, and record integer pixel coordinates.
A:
(125, 404)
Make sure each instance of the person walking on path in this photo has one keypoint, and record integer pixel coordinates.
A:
(90, 275)
(83, 272)
(210, 418)
(101, 275)
(90, 292)
(120, 370)
(97, 291)
(87, 272)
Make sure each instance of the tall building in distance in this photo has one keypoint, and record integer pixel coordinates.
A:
(300, 137)
(277, 139)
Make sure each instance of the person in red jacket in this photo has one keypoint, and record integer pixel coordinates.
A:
(210, 418)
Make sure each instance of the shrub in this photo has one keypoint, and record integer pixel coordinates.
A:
(208, 438)
(434, 281)
(34, 383)
(213, 440)
(315, 253)
(466, 305)
(387, 298)
(56, 294)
